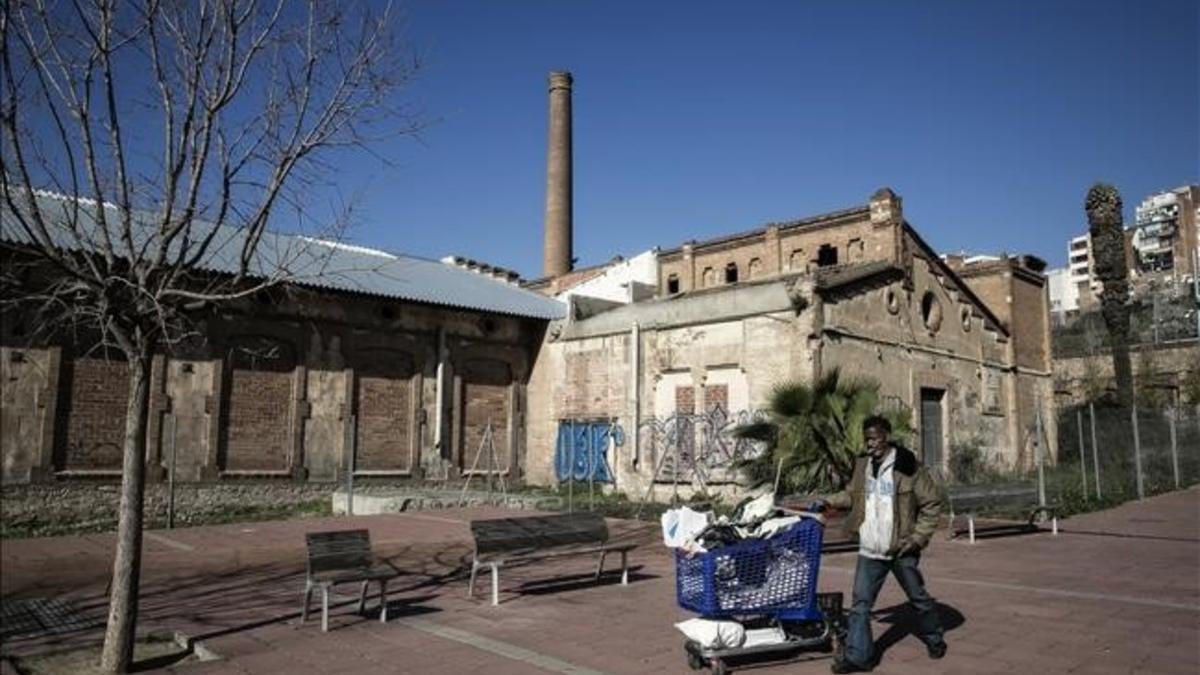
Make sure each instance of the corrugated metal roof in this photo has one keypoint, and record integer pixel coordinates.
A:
(315, 263)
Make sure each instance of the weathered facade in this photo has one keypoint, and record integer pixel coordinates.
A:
(964, 348)
(398, 379)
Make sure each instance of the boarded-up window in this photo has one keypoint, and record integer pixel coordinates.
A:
(993, 393)
(258, 405)
(383, 410)
(797, 262)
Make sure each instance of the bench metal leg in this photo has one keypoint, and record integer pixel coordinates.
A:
(600, 567)
(624, 568)
(495, 584)
(1054, 526)
(383, 603)
(308, 589)
(971, 527)
(474, 570)
(362, 598)
(324, 608)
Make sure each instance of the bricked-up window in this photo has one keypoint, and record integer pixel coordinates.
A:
(685, 400)
(685, 428)
(383, 410)
(673, 284)
(827, 255)
(731, 273)
(854, 250)
(716, 395)
(92, 421)
(258, 405)
(709, 277)
(754, 270)
(486, 387)
(796, 261)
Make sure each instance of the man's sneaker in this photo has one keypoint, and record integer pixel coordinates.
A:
(844, 666)
(937, 649)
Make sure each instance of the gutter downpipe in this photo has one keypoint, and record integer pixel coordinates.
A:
(440, 394)
(635, 336)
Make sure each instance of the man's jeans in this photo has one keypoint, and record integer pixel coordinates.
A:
(868, 579)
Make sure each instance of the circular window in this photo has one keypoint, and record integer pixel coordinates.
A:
(931, 311)
(893, 301)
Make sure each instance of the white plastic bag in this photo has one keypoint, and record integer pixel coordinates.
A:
(713, 634)
(681, 525)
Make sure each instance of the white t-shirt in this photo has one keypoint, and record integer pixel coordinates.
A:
(875, 533)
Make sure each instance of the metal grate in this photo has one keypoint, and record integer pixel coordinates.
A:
(34, 616)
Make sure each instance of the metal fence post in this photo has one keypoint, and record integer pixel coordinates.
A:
(350, 449)
(1040, 460)
(1082, 456)
(571, 468)
(1174, 446)
(1095, 449)
(171, 475)
(1137, 454)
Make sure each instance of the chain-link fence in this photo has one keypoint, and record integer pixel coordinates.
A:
(1108, 455)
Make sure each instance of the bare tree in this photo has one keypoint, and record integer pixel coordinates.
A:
(1106, 228)
(151, 148)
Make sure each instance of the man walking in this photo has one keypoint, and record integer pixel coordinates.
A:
(894, 506)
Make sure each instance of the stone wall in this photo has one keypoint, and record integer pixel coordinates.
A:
(721, 350)
(38, 510)
(1169, 365)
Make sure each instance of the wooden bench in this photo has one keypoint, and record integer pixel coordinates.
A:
(340, 557)
(502, 541)
(972, 500)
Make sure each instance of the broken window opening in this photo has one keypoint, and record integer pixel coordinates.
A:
(731, 273)
(827, 255)
(673, 284)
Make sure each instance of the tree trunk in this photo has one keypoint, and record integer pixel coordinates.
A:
(123, 601)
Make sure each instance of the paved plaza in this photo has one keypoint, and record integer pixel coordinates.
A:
(1115, 592)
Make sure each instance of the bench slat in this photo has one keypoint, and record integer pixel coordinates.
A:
(333, 551)
(532, 533)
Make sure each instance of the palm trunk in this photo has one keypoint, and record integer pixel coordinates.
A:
(123, 601)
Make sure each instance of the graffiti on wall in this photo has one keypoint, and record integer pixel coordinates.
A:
(581, 452)
(698, 448)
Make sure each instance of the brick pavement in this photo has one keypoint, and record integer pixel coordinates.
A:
(1116, 592)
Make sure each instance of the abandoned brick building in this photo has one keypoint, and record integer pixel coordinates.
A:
(407, 359)
(613, 372)
(962, 343)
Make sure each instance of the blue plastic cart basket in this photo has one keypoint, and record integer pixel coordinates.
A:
(776, 576)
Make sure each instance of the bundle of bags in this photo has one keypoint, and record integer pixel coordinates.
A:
(698, 532)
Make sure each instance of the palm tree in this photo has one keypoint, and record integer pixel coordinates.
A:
(813, 433)
(1105, 226)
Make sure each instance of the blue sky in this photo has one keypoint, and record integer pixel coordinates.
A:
(695, 119)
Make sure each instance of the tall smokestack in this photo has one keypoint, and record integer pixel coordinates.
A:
(557, 255)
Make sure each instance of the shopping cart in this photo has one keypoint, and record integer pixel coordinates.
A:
(769, 586)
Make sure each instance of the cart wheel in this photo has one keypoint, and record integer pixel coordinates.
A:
(718, 667)
(695, 661)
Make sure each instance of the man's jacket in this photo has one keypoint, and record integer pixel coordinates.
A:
(917, 502)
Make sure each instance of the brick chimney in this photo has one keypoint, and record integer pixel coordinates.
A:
(557, 258)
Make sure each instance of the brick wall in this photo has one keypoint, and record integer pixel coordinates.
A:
(685, 400)
(383, 401)
(92, 422)
(486, 385)
(258, 410)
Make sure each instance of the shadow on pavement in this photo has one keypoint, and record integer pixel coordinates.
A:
(902, 620)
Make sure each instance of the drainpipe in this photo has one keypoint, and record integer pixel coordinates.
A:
(635, 359)
(440, 395)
